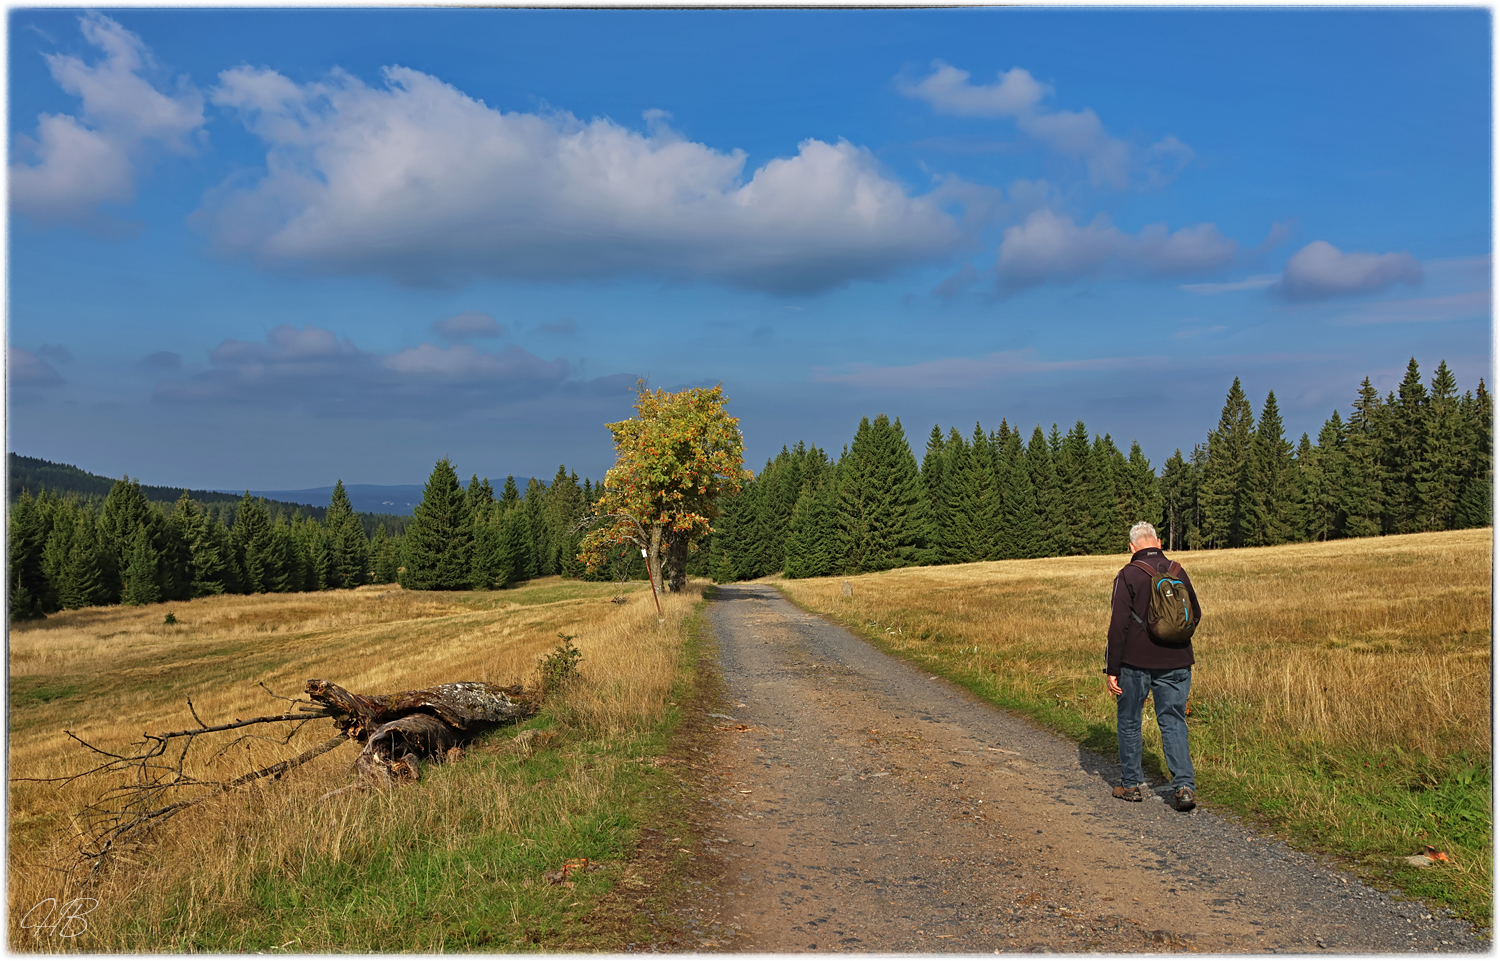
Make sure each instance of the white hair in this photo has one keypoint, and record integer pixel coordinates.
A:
(1142, 531)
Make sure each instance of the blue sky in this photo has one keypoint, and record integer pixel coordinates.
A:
(271, 248)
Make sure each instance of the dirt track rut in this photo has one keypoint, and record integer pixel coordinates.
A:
(858, 804)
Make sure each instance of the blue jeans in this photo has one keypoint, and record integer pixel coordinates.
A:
(1169, 689)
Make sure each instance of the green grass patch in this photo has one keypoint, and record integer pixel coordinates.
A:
(547, 592)
(30, 690)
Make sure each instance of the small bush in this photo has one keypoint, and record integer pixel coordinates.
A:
(170, 618)
(559, 668)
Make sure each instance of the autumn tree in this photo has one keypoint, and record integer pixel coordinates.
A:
(672, 461)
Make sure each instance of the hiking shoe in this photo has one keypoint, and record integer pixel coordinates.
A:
(1130, 793)
(1183, 800)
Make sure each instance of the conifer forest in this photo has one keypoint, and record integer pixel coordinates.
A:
(1418, 459)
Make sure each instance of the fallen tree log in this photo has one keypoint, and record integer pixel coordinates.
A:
(399, 731)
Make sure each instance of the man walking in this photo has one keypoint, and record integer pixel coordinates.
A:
(1138, 662)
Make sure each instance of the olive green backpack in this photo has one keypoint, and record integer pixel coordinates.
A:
(1169, 618)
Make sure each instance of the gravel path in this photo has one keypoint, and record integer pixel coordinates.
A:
(858, 804)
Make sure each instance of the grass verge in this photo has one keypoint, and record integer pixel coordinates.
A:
(1341, 696)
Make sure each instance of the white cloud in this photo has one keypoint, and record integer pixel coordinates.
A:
(76, 164)
(1014, 93)
(313, 368)
(1187, 250)
(961, 373)
(1471, 305)
(1257, 282)
(1050, 247)
(161, 360)
(470, 324)
(463, 363)
(25, 369)
(966, 277)
(1080, 134)
(1322, 270)
(421, 183)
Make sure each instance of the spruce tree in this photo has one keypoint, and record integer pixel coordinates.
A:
(489, 565)
(745, 552)
(1404, 450)
(478, 495)
(564, 509)
(140, 579)
(81, 584)
(125, 509)
(1223, 487)
(724, 564)
(287, 566)
(320, 549)
(27, 530)
(934, 485)
(1175, 487)
(253, 549)
(1324, 481)
(974, 521)
(1301, 514)
(1051, 528)
(1439, 479)
(1197, 461)
(540, 551)
(760, 533)
(779, 501)
(55, 550)
(345, 549)
(813, 548)
(1107, 528)
(1077, 531)
(383, 553)
(1476, 499)
(880, 504)
(437, 543)
(1141, 495)
(515, 546)
(1269, 488)
(1362, 493)
(510, 495)
(1019, 535)
(208, 546)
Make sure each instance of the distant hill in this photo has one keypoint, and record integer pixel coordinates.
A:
(400, 499)
(36, 475)
(370, 498)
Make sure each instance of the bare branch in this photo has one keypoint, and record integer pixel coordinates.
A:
(268, 719)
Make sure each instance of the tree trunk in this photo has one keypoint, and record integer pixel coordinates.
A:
(674, 573)
(400, 730)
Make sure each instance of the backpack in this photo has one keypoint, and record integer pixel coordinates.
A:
(1169, 619)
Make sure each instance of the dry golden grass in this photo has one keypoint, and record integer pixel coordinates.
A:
(107, 674)
(1376, 642)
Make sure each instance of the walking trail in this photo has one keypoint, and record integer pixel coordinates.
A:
(858, 804)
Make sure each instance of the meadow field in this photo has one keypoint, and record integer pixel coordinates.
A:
(1341, 695)
(453, 862)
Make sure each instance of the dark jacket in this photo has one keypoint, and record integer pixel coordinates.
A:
(1128, 641)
